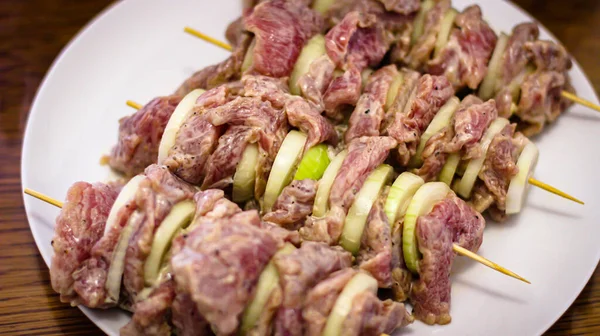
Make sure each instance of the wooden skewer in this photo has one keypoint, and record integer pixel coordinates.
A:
(553, 190)
(579, 100)
(456, 248)
(464, 252)
(133, 104)
(224, 45)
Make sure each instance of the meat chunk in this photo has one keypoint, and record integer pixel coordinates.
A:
(78, 227)
(357, 42)
(450, 221)
(364, 155)
(301, 114)
(410, 79)
(548, 56)
(280, 30)
(218, 264)
(541, 100)
(421, 51)
(215, 75)
(140, 134)
(375, 255)
(434, 155)
(154, 199)
(401, 276)
(186, 319)
(471, 120)
(401, 6)
(294, 204)
(222, 163)
(500, 165)
(321, 299)
(429, 95)
(299, 271)
(369, 112)
(465, 57)
(314, 83)
(369, 316)
(515, 56)
(152, 315)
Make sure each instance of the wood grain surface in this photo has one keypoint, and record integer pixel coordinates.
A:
(33, 32)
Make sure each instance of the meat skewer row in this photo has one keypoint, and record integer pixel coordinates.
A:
(93, 249)
(440, 39)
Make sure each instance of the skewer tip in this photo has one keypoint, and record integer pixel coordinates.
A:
(464, 252)
(553, 190)
(572, 97)
(133, 105)
(43, 197)
(207, 38)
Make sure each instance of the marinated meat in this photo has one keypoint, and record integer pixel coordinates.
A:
(429, 95)
(321, 299)
(281, 28)
(314, 83)
(301, 114)
(369, 112)
(401, 6)
(299, 271)
(515, 56)
(140, 134)
(364, 155)
(222, 163)
(294, 204)
(465, 57)
(471, 120)
(369, 316)
(186, 319)
(540, 100)
(548, 56)
(152, 315)
(215, 75)
(434, 155)
(78, 227)
(410, 79)
(218, 264)
(375, 255)
(500, 165)
(450, 221)
(342, 91)
(422, 50)
(401, 276)
(154, 199)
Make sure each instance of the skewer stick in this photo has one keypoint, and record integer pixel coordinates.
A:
(464, 252)
(133, 104)
(207, 38)
(457, 249)
(580, 101)
(553, 190)
(565, 94)
(43, 197)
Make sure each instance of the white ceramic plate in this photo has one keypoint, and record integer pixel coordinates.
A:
(137, 50)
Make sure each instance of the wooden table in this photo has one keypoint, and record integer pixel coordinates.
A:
(33, 32)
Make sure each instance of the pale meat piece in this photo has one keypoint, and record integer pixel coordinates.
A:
(451, 221)
(402, 6)
(401, 276)
(303, 115)
(500, 165)
(281, 28)
(294, 204)
(434, 155)
(369, 112)
(79, 226)
(375, 255)
(152, 315)
(427, 97)
(423, 48)
(470, 121)
(314, 83)
(154, 199)
(300, 271)
(186, 319)
(222, 163)
(220, 73)
(357, 42)
(540, 100)
(364, 155)
(321, 299)
(392, 21)
(410, 79)
(465, 57)
(548, 56)
(369, 316)
(140, 134)
(197, 138)
(218, 264)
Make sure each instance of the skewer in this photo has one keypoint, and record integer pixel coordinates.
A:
(565, 94)
(553, 190)
(456, 248)
(532, 181)
(133, 104)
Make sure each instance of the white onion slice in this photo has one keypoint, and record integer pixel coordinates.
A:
(125, 196)
(400, 195)
(245, 175)
(519, 184)
(324, 188)
(488, 86)
(314, 48)
(445, 29)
